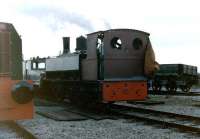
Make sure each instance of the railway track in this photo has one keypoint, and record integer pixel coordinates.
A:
(184, 123)
(174, 93)
(11, 129)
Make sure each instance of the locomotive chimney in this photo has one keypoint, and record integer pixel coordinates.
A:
(81, 43)
(66, 45)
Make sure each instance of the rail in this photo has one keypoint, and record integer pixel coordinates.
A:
(20, 130)
(182, 122)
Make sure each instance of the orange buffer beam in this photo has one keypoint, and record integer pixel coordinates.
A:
(124, 90)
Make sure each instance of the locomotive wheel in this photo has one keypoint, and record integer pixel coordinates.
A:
(171, 85)
(171, 88)
(77, 98)
(157, 88)
(58, 93)
(185, 88)
(81, 99)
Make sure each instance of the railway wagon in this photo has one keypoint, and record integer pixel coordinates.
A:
(107, 66)
(173, 76)
(15, 94)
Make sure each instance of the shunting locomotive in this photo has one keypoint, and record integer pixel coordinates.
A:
(15, 94)
(107, 66)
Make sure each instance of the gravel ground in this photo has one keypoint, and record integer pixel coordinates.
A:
(46, 128)
(6, 132)
(104, 129)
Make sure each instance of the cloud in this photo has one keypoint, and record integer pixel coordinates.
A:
(56, 18)
(173, 25)
(178, 55)
(107, 24)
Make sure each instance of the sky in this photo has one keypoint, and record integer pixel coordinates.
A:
(174, 25)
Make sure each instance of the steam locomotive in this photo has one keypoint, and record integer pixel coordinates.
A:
(15, 94)
(107, 66)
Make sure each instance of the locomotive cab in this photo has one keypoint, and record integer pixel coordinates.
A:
(115, 59)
